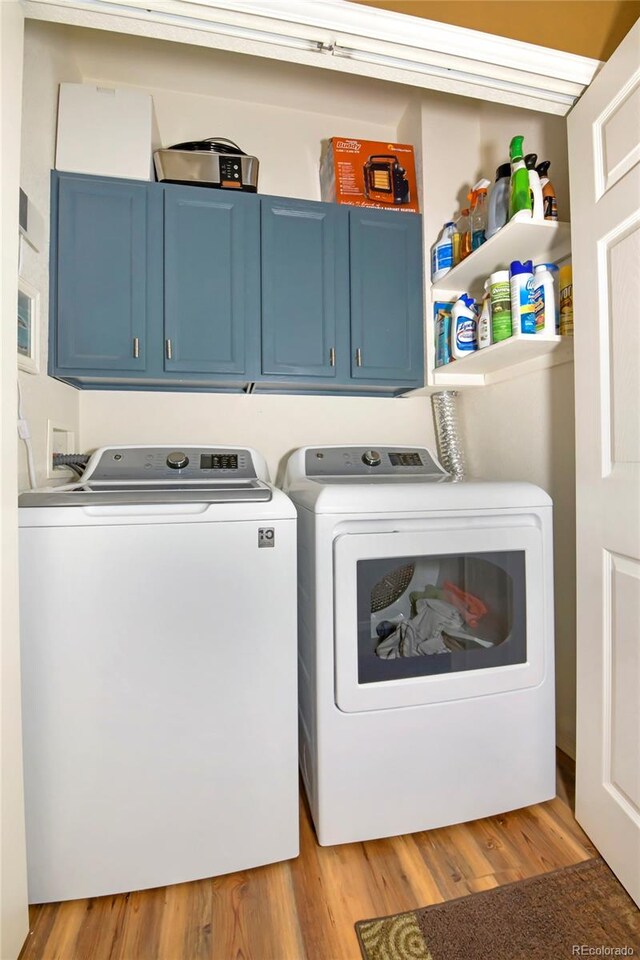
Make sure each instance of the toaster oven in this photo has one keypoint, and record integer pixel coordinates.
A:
(214, 162)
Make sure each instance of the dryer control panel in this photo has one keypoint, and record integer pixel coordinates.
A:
(387, 462)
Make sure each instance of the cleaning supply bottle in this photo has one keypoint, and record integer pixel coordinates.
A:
(464, 327)
(498, 213)
(566, 300)
(549, 200)
(537, 205)
(500, 292)
(479, 214)
(455, 240)
(442, 253)
(484, 320)
(442, 313)
(465, 233)
(520, 194)
(523, 317)
(544, 298)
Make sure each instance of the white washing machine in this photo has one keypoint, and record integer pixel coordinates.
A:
(426, 668)
(158, 627)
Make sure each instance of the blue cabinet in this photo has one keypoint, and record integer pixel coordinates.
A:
(341, 294)
(99, 288)
(211, 281)
(386, 296)
(164, 286)
(305, 286)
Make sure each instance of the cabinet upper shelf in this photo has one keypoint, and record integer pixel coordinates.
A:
(540, 241)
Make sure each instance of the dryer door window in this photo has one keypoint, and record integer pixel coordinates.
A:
(423, 617)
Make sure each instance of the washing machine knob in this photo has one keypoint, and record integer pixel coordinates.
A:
(177, 460)
(372, 458)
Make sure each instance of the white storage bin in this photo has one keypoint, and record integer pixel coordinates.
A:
(105, 131)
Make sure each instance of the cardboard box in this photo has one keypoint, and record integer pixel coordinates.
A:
(105, 131)
(369, 173)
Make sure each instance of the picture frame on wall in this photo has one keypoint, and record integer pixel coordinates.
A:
(28, 326)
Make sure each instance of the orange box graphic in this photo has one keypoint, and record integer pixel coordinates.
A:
(369, 173)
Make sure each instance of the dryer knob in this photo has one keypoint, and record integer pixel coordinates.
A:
(372, 458)
(177, 460)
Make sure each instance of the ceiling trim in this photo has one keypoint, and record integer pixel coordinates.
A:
(350, 38)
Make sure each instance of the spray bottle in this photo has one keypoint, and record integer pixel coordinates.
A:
(548, 193)
(520, 194)
(534, 186)
(499, 200)
(479, 213)
(464, 228)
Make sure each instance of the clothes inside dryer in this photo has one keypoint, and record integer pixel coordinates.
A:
(427, 615)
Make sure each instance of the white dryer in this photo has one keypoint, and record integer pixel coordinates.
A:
(426, 655)
(158, 627)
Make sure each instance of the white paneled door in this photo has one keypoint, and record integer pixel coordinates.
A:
(604, 160)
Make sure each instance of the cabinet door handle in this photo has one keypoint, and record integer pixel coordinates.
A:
(358, 357)
(136, 347)
(168, 349)
(332, 357)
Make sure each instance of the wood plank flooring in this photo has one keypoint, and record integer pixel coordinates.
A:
(305, 909)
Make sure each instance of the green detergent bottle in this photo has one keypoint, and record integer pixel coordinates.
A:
(520, 194)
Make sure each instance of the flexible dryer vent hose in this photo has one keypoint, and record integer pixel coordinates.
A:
(75, 461)
(445, 413)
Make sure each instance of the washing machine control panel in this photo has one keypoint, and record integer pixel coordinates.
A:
(170, 463)
(321, 462)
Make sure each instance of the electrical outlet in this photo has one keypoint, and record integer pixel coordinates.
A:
(59, 440)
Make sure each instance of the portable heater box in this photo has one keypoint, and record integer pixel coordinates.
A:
(369, 173)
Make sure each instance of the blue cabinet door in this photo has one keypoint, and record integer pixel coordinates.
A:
(386, 296)
(99, 273)
(305, 294)
(212, 281)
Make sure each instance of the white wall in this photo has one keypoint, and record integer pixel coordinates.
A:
(544, 134)
(13, 879)
(274, 425)
(277, 111)
(523, 429)
(48, 61)
(465, 140)
(286, 142)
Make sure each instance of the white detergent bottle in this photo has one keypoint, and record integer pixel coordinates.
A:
(523, 318)
(484, 320)
(442, 252)
(537, 200)
(464, 327)
(544, 298)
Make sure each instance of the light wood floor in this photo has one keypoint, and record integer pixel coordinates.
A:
(305, 909)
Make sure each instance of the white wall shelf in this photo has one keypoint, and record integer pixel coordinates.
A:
(540, 241)
(505, 360)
